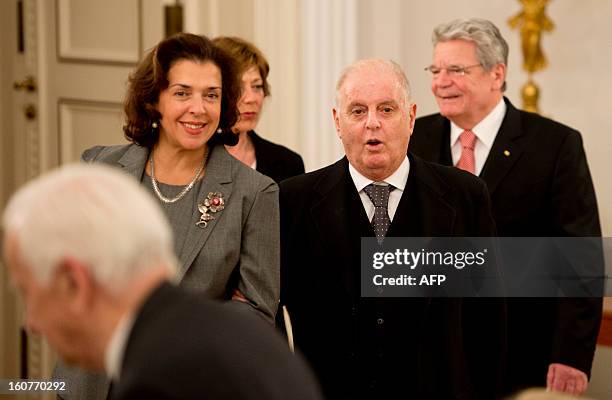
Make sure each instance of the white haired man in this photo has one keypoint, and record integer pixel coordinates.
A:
(379, 348)
(95, 271)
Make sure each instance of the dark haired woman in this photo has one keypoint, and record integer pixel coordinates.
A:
(180, 106)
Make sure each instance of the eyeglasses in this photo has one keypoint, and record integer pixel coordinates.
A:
(451, 70)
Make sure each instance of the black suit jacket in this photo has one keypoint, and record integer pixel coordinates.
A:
(184, 347)
(274, 160)
(540, 185)
(429, 348)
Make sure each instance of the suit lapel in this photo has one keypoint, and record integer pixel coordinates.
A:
(407, 221)
(507, 148)
(338, 216)
(134, 161)
(422, 210)
(265, 161)
(218, 178)
(435, 144)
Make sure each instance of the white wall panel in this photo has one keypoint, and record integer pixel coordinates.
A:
(99, 31)
(85, 124)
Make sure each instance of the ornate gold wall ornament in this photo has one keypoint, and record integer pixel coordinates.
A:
(532, 20)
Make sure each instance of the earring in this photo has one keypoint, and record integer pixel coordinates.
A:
(154, 125)
(219, 131)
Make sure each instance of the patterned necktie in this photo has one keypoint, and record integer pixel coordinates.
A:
(468, 142)
(379, 194)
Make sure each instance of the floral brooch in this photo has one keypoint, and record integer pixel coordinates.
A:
(213, 203)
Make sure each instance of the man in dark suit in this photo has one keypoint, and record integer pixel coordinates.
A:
(96, 273)
(540, 185)
(426, 348)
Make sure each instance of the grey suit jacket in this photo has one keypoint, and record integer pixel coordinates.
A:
(241, 242)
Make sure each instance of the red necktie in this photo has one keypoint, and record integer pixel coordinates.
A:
(466, 161)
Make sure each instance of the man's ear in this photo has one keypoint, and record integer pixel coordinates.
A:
(74, 281)
(498, 74)
(336, 121)
(412, 115)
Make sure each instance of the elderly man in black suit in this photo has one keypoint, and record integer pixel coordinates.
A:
(426, 348)
(95, 271)
(540, 185)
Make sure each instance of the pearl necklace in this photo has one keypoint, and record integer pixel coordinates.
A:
(185, 189)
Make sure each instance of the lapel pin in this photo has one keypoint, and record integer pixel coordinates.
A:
(506, 153)
(213, 203)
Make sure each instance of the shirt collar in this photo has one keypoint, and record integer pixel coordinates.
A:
(486, 130)
(113, 355)
(397, 179)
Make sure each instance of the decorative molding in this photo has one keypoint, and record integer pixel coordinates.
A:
(36, 350)
(531, 22)
(66, 108)
(67, 53)
(30, 16)
(35, 353)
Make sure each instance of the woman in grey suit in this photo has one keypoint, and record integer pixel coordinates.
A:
(180, 106)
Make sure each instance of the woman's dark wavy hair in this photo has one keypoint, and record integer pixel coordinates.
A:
(151, 77)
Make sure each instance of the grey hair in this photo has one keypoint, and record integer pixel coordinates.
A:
(94, 214)
(491, 47)
(379, 63)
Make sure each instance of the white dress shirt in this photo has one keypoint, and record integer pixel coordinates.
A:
(485, 131)
(113, 354)
(397, 179)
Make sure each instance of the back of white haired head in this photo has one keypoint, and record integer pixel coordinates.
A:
(491, 47)
(94, 214)
(377, 64)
